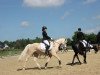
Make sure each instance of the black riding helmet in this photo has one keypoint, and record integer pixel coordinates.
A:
(43, 28)
(79, 29)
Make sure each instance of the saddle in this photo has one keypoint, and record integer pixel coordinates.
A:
(86, 44)
(43, 47)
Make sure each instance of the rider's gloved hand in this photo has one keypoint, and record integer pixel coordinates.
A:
(52, 39)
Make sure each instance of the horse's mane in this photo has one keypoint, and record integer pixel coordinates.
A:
(57, 40)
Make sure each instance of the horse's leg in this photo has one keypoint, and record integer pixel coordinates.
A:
(25, 62)
(78, 59)
(74, 58)
(61, 51)
(55, 55)
(48, 60)
(35, 59)
(84, 55)
(65, 50)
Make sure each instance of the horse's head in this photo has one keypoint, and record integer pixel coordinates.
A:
(95, 48)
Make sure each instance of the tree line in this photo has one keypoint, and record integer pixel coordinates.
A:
(91, 38)
(21, 43)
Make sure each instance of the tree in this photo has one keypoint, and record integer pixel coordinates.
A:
(89, 37)
(37, 39)
(69, 41)
(74, 37)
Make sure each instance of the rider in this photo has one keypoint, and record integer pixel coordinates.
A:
(80, 36)
(46, 39)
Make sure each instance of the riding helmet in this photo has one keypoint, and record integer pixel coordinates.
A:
(43, 28)
(79, 29)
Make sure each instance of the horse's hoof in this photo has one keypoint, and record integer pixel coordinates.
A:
(24, 68)
(45, 68)
(80, 63)
(85, 62)
(72, 64)
(60, 66)
(39, 68)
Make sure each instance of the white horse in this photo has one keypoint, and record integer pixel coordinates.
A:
(35, 50)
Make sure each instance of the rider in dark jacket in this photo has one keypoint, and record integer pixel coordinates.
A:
(44, 33)
(46, 39)
(80, 35)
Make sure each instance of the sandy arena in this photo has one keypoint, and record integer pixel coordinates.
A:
(9, 65)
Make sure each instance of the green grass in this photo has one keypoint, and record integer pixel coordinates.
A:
(10, 52)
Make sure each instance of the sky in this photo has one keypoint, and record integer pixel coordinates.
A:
(22, 19)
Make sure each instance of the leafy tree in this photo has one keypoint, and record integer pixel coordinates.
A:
(74, 37)
(69, 41)
(37, 39)
(89, 37)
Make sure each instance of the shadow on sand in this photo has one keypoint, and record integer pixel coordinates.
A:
(76, 63)
(35, 68)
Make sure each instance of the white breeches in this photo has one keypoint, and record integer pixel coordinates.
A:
(46, 42)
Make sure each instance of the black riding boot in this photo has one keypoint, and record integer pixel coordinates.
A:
(47, 50)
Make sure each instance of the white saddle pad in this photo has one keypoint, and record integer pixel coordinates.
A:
(43, 47)
(85, 43)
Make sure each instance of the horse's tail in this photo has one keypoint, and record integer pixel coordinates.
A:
(23, 54)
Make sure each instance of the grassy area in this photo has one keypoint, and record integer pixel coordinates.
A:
(10, 52)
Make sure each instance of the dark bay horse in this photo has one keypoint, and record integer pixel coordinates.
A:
(80, 49)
